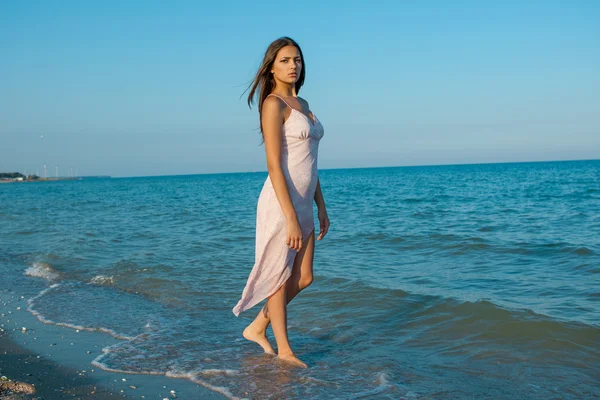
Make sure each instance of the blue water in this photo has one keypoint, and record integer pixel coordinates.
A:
(441, 282)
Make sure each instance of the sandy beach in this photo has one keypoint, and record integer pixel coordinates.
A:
(58, 362)
(50, 380)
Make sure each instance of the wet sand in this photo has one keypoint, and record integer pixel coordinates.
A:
(51, 380)
(58, 361)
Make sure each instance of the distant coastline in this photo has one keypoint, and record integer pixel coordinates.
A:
(37, 180)
(16, 177)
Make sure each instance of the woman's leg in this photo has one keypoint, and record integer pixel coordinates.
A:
(302, 276)
(278, 311)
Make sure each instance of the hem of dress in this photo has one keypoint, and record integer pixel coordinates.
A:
(248, 306)
(241, 309)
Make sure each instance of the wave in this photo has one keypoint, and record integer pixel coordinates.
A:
(413, 200)
(194, 378)
(544, 248)
(191, 376)
(43, 270)
(580, 251)
(383, 237)
(101, 280)
(382, 386)
(333, 290)
(462, 244)
(41, 318)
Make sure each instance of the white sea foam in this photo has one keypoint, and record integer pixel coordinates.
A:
(101, 280)
(219, 389)
(151, 327)
(383, 379)
(383, 386)
(104, 367)
(226, 372)
(318, 382)
(41, 318)
(169, 374)
(43, 270)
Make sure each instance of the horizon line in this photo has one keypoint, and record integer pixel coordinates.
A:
(333, 169)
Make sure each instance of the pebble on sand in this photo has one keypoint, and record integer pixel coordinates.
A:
(15, 386)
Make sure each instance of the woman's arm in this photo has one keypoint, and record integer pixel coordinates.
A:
(272, 122)
(319, 196)
(323, 217)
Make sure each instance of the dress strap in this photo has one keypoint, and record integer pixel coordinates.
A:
(276, 95)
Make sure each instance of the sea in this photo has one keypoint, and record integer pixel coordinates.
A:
(478, 281)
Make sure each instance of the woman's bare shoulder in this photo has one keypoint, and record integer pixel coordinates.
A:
(273, 104)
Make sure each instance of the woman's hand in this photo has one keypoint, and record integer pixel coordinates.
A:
(324, 223)
(294, 234)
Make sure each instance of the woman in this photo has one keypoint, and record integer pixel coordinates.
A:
(284, 219)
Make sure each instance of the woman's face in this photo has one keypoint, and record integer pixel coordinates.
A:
(287, 65)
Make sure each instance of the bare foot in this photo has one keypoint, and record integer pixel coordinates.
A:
(292, 359)
(258, 337)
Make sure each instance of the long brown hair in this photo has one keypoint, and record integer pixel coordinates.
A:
(264, 80)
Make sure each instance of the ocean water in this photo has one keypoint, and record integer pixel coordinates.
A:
(442, 282)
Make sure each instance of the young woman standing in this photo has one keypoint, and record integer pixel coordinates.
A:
(285, 238)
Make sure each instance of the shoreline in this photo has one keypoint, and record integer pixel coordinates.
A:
(58, 360)
(49, 378)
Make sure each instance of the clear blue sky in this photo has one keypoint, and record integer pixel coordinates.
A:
(130, 88)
